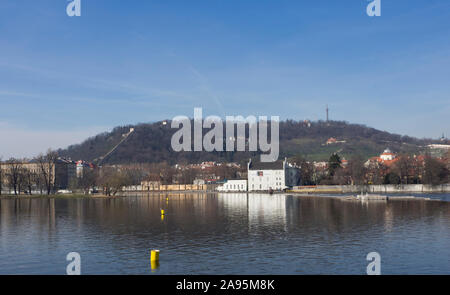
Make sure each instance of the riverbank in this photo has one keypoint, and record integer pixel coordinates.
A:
(57, 196)
(320, 189)
(318, 193)
(385, 189)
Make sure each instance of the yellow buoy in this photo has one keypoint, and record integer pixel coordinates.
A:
(162, 217)
(162, 211)
(154, 256)
(154, 264)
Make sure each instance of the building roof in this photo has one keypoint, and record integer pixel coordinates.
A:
(278, 165)
(387, 151)
(389, 163)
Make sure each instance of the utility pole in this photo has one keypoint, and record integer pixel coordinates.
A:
(327, 113)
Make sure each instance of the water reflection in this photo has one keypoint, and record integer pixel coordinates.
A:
(223, 233)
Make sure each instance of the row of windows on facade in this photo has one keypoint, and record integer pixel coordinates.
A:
(229, 186)
(260, 186)
(260, 179)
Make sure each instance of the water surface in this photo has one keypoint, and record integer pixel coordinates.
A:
(224, 234)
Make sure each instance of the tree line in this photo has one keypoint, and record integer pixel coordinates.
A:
(23, 175)
(406, 170)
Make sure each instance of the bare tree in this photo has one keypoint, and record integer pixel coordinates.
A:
(28, 178)
(307, 170)
(47, 168)
(342, 177)
(86, 182)
(357, 171)
(167, 173)
(436, 172)
(222, 171)
(376, 173)
(14, 169)
(403, 168)
(39, 181)
(1, 176)
(112, 180)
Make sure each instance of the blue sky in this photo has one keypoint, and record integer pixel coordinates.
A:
(63, 79)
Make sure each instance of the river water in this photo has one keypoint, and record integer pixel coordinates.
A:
(224, 234)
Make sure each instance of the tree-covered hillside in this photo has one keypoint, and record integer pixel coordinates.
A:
(152, 143)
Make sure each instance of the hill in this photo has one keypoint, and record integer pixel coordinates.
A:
(151, 143)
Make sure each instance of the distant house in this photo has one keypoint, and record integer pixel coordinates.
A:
(82, 166)
(387, 158)
(267, 176)
(331, 140)
(199, 181)
(233, 185)
(438, 150)
(320, 165)
(387, 155)
(150, 185)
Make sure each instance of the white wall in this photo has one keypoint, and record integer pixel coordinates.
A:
(270, 179)
(234, 185)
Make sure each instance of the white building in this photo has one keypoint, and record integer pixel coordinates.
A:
(387, 155)
(234, 185)
(275, 176)
(199, 181)
(81, 167)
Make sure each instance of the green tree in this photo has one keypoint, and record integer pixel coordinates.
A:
(334, 163)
